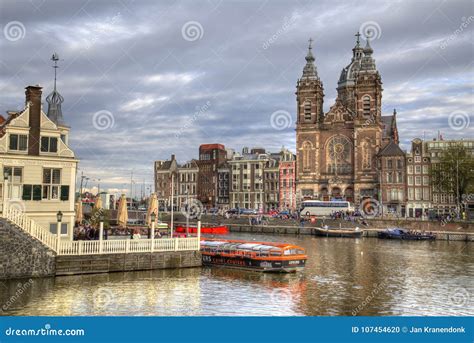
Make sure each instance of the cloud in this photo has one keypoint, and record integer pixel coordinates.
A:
(131, 59)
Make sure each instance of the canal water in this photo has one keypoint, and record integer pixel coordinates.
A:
(364, 276)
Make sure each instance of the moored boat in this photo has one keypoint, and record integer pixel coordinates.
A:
(257, 256)
(214, 230)
(326, 232)
(398, 233)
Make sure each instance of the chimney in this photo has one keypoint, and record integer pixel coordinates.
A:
(173, 157)
(33, 97)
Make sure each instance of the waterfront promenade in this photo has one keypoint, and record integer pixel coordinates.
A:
(29, 250)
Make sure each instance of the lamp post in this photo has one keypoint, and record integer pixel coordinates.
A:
(101, 232)
(152, 231)
(59, 218)
(5, 192)
(187, 213)
(199, 231)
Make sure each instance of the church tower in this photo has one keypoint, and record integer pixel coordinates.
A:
(309, 94)
(310, 115)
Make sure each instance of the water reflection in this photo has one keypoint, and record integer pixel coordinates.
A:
(342, 277)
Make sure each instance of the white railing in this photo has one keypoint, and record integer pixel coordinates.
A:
(127, 246)
(30, 226)
(67, 247)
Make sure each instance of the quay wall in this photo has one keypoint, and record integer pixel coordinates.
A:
(22, 256)
(449, 231)
(106, 263)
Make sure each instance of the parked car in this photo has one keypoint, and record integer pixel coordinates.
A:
(232, 211)
(247, 211)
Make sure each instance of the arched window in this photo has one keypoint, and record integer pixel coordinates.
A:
(366, 105)
(307, 110)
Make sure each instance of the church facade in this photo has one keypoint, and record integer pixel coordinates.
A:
(338, 151)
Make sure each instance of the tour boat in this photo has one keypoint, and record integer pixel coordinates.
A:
(326, 232)
(398, 233)
(257, 256)
(215, 230)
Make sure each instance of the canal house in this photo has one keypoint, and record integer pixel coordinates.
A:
(38, 166)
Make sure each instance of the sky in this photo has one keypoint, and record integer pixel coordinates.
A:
(144, 79)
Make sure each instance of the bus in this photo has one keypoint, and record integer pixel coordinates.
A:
(324, 208)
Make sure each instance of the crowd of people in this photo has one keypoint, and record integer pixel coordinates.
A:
(86, 232)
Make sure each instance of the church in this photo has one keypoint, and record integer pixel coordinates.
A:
(339, 152)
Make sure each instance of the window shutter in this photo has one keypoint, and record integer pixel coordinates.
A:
(27, 190)
(64, 192)
(37, 192)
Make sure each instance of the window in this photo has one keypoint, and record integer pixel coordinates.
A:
(15, 177)
(399, 177)
(51, 183)
(417, 169)
(425, 169)
(417, 193)
(54, 226)
(49, 144)
(417, 158)
(18, 142)
(426, 193)
(366, 105)
(399, 164)
(307, 110)
(410, 180)
(426, 181)
(410, 193)
(417, 180)
(410, 169)
(389, 164)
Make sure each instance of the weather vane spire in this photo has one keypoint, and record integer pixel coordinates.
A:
(55, 59)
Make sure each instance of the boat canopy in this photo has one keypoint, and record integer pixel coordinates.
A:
(277, 248)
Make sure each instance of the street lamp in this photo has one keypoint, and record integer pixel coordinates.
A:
(59, 218)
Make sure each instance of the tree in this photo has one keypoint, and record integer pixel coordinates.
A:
(454, 172)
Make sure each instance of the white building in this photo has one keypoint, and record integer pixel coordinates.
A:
(38, 167)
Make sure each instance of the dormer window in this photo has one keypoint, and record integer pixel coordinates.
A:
(18, 142)
(49, 144)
